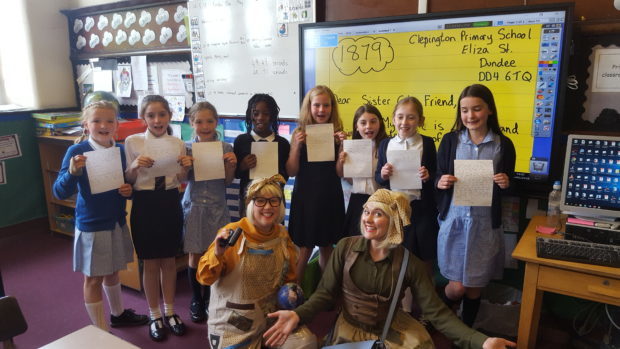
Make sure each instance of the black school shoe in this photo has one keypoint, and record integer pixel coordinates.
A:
(128, 318)
(157, 332)
(197, 312)
(176, 326)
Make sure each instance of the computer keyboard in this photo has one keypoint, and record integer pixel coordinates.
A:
(578, 251)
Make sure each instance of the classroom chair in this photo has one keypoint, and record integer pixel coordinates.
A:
(12, 322)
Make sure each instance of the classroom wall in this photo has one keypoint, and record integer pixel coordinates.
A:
(585, 10)
(23, 198)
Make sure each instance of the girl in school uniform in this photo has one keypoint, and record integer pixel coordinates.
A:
(421, 236)
(204, 204)
(367, 124)
(467, 230)
(317, 205)
(261, 121)
(156, 214)
(102, 244)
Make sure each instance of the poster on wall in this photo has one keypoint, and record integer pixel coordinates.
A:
(9, 147)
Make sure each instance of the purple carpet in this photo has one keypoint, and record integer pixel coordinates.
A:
(37, 270)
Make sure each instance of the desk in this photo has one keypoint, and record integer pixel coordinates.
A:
(89, 337)
(592, 282)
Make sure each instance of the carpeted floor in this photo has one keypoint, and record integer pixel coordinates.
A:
(36, 268)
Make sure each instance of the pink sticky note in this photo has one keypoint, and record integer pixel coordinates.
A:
(284, 129)
(545, 230)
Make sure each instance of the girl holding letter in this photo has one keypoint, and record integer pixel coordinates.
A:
(204, 203)
(261, 121)
(317, 205)
(102, 244)
(367, 124)
(467, 230)
(421, 236)
(156, 214)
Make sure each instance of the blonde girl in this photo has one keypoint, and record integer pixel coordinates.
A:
(204, 204)
(156, 214)
(102, 245)
(317, 205)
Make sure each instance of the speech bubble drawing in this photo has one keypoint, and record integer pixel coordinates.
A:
(364, 54)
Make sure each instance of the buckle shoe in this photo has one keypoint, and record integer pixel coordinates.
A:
(177, 327)
(156, 330)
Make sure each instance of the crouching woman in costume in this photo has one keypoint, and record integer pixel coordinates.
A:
(246, 276)
(363, 271)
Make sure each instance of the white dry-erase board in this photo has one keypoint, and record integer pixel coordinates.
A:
(243, 47)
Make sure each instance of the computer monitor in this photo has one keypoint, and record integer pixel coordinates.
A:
(591, 185)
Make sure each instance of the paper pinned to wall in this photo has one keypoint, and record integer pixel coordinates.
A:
(140, 73)
(603, 82)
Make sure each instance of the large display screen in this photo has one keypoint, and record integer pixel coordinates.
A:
(519, 53)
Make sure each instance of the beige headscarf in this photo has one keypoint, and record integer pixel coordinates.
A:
(396, 205)
(258, 184)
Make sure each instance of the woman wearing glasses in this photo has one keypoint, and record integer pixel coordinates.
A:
(246, 275)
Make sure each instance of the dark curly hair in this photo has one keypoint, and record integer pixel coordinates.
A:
(274, 111)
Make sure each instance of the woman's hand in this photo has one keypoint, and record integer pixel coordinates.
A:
(248, 162)
(277, 334)
(185, 161)
(498, 343)
(142, 161)
(125, 190)
(386, 171)
(424, 174)
(222, 234)
(446, 182)
(230, 160)
(502, 180)
(76, 164)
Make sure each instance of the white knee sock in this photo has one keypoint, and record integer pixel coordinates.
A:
(154, 313)
(113, 293)
(97, 316)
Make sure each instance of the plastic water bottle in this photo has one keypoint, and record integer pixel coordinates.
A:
(553, 208)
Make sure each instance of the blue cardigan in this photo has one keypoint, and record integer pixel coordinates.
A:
(92, 212)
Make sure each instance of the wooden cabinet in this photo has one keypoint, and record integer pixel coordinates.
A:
(52, 150)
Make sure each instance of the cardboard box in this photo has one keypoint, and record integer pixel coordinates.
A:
(128, 127)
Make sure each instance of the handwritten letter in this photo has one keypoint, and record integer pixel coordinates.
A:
(474, 186)
(208, 161)
(165, 152)
(105, 170)
(358, 162)
(406, 164)
(266, 159)
(320, 142)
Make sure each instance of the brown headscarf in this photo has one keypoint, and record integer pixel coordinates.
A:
(396, 205)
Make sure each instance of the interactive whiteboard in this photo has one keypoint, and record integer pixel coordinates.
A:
(519, 53)
(243, 47)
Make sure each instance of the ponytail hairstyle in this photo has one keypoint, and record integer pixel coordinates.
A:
(200, 106)
(155, 99)
(417, 105)
(274, 111)
(88, 111)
